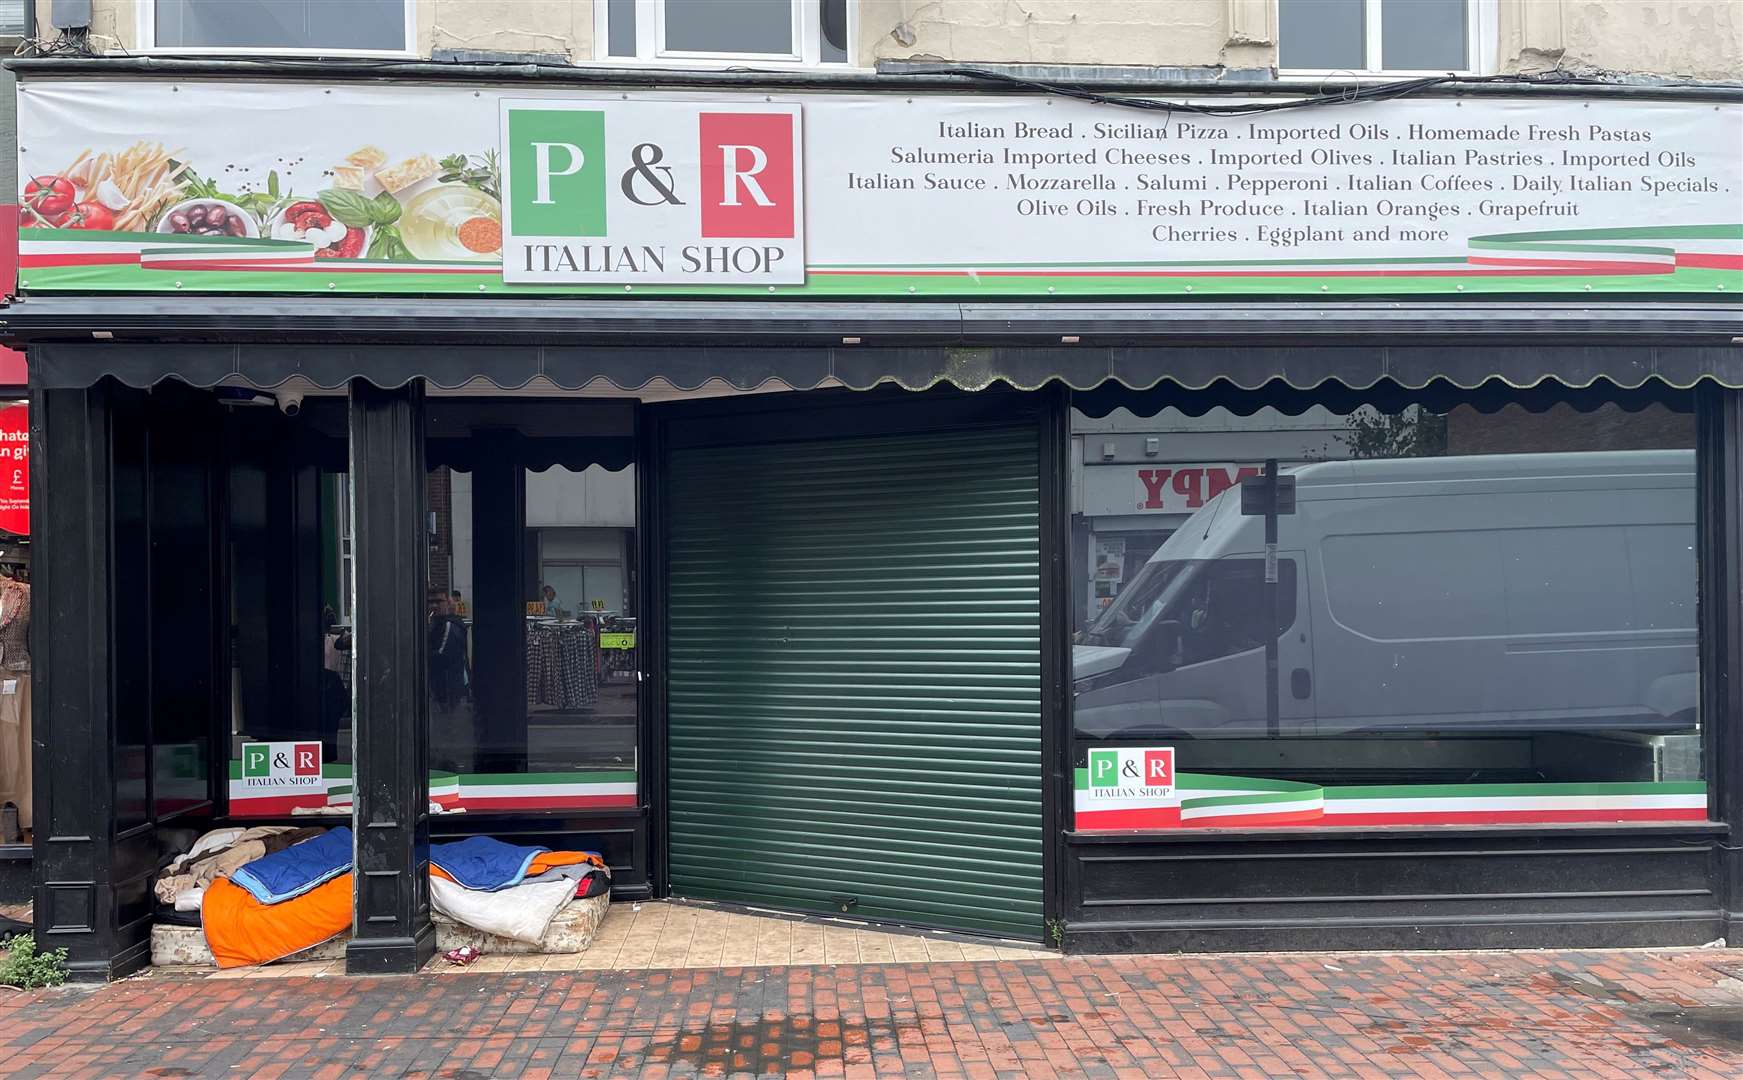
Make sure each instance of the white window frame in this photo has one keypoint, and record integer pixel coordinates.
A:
(1482, 47)
(148, 40)
(651, 51)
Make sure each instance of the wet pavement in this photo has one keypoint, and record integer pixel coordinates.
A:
(1561, 1014)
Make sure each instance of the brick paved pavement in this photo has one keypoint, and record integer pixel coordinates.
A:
(1611, 1014)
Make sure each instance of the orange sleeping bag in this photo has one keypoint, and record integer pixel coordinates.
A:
(242, 931)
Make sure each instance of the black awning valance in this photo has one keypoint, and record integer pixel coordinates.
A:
(1198, 349)
(1191, 377)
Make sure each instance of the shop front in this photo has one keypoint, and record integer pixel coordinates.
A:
(989, 512)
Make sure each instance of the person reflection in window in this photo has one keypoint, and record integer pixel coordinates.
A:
(447, 655)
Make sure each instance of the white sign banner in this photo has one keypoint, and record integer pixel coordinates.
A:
(153, 184)
(653, 192)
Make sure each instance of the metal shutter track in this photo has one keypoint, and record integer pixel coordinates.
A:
(854, 673)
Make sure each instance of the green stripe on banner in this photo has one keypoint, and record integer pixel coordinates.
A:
(1455, 791)
(1471, 280)
(1727, 231)
(1250, 800)
(510, 779)
(1210, 782)
(1590, 249)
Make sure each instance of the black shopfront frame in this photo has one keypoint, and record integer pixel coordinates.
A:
(92, 869)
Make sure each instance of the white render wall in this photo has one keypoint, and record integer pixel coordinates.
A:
(1700, 39)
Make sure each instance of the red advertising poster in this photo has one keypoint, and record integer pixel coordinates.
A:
(9, 248)
(15, 469)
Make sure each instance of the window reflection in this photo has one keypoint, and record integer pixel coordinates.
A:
(1462, 598)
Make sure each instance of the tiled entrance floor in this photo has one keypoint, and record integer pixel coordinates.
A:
(666, 935)
(678, 935)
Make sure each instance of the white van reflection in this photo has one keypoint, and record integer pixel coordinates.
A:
(1495, 594)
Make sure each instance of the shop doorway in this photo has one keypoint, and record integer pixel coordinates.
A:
(853, 649)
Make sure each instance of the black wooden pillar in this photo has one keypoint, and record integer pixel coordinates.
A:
(498, 607)
(1718, 490)
(90, 896)
(390, 705)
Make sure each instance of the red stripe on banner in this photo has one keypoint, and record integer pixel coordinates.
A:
(1709, 260)
(1226, 821)
(1601, 266)
(275, 805)
(109, 258)
(1507, 817)
(546, 802)
(1157, 817)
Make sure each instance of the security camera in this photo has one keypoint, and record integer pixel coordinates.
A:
(290, 404)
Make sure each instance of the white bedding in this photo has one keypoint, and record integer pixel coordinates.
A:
(522, 912)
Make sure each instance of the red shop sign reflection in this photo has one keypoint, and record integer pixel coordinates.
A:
(15, 469)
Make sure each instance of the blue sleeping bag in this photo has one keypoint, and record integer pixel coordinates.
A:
(297, 869)
(484, 863)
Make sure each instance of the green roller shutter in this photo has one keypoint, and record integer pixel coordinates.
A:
(854, 673)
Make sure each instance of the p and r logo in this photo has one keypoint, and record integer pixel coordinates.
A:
(281, 765)
(652, 192)
(1144, 775)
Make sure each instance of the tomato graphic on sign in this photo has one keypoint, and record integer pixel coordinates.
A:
(15, 469)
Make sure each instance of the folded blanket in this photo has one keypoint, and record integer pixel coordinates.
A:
(296, 870)
(241, 930)
(484, 863)
(522, 912)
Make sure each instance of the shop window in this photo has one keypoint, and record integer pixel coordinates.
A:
(288, 508)
(1480, 617)
(280, 26)
(769, 31)
(533, 629)
(1384, 36)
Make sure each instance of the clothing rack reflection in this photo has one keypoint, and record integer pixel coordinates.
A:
(562, 664)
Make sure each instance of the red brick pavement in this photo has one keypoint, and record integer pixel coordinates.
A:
(1433, 1016)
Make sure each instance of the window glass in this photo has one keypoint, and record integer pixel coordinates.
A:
(1321, 34)
(287, 503)
(1423, 35)
(281, 24)
(533, 629)
(1481, 617)
(834, 18)
(581, 621)
(620, 27)
(745, 26)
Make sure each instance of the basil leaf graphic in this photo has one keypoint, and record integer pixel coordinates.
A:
(348, 207)
(383, 209)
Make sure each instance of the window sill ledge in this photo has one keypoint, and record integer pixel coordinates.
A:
(1360, 832)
